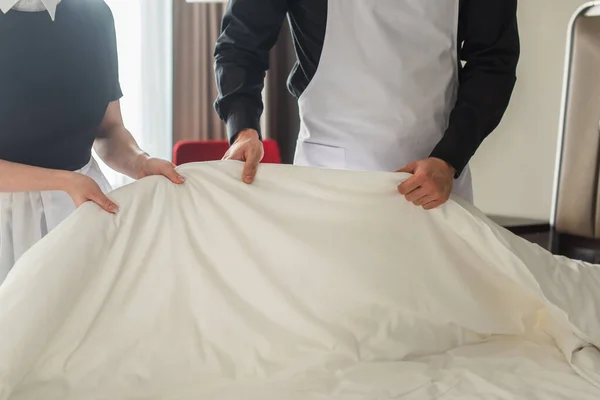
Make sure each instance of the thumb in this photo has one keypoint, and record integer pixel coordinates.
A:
(409, 168)
(251, 166)
(169, 172)
(103, 201)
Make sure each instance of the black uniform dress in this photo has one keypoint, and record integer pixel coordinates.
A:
(56, 81)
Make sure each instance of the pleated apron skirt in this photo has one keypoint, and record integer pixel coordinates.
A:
(27, 217)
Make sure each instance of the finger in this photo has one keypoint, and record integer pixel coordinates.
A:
(410, 184)
(103, 201)
(251, 166)
(409, 168)
(425, 200)
(433, 204)
(78, 202)
(173, 176)
(418, 194)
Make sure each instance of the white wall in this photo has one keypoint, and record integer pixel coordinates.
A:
(514, 169)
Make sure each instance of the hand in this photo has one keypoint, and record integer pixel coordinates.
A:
(148, 166)
(431, 183)
(248, 148)
(82, 189)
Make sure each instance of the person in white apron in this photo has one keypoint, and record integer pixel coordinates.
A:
(59, 98)
(380, 84)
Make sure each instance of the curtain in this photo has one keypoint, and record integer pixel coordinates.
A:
(144, 41)
(196, 29)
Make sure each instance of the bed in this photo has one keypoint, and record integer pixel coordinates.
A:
(308, 284)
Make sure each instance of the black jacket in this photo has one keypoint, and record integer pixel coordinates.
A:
(488, 44)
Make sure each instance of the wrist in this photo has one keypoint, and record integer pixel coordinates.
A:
(447, 165)
(247, 134)
(62, 180)
(138, 169)
(243, 116)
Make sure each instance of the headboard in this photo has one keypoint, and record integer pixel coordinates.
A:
(576, 205)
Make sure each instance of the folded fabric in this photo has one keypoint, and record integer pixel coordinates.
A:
(307, 284)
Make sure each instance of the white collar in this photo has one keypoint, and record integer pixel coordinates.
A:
(30, 5)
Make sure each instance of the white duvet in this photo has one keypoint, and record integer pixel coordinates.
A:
(309, 284)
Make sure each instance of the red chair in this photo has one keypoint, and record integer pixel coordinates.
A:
(188, 151)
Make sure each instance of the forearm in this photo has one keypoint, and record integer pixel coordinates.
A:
(481, 104)
(119, 150)
(16, 177)
(489, 35)
(250, 29)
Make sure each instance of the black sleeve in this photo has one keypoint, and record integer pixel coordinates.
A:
(490, 47)
(114, 91)
(250, 29)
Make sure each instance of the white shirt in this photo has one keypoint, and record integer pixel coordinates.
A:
(30, 5)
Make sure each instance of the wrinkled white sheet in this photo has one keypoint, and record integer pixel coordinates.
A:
(309, 284)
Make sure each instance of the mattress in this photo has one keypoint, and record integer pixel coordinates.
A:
(309, 284)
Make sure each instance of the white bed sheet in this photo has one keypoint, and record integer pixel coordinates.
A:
(309, 284)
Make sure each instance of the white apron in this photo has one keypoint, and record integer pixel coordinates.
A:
(385, 86)
(27, 217)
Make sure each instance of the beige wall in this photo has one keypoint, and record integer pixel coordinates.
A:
(514, 169)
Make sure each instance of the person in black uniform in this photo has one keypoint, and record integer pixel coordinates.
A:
(59, 98)
(380, 84)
